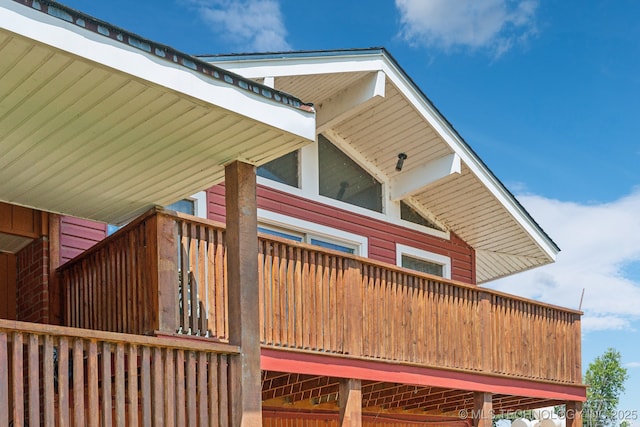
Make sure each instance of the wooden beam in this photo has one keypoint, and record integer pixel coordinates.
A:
(573, 414)
(330, 365)
(350, 101)
(408, 183)
(350, 401)
(242, 274)
(482, 409)
(20, 221)
(166, 257)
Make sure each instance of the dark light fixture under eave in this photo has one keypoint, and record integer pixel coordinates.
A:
(401, 158)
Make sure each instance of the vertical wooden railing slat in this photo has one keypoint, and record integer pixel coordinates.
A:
(213, 390)
(225, 400)
(92, 382)
(132, 385)
(4, 380)
(157, 391)
(180, 392)
(48, 382)
(18, 379)
(119, 385)
(202, 398)
(33, 379)
(78, 383)
(106, 384)
(169, 388)
(63, 382)
(191, 390)
(145, 386)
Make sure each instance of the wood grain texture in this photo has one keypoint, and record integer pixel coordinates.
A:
(94, 380)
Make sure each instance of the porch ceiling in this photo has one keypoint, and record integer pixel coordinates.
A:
(101, 124)
(297, 391)
(470, 202)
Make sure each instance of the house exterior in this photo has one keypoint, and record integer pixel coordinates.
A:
(319, 259)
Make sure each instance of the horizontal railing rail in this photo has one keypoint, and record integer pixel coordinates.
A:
(52, 375)
(315, 299)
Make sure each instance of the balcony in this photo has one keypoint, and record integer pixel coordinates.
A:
(164, 274)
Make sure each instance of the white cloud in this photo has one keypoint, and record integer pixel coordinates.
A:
(598, 242)
(253, 25)
(495, 25)
(632, 365)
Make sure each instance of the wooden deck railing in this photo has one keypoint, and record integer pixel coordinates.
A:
(318, 300)
(58, 376)
(161, 273)
(313, 299)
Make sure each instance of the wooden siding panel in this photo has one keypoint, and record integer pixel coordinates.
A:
(7, 286)
(77, 235)
(382, 235)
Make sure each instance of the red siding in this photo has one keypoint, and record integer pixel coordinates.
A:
(382, 236)
(77, 235)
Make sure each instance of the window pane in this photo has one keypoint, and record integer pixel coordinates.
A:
(334, 246)
(185, 206)
(423, 266)
(283, 169)
(343, 179)
(112, 228)
(409, 214)
(280, 234)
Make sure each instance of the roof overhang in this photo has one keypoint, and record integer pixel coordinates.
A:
(387, 115)
(99, 123)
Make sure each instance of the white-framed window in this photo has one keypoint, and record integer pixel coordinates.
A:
(424, 261)
(195, 205)
(300, 230)
(341, 178)
(284, 170)
(299, 174)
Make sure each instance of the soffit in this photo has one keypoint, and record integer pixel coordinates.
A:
(473, 204)
(12, 244)
(85, 137)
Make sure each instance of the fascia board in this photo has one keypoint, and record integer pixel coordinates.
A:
(305, 66)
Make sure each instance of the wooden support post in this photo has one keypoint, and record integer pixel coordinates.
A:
(573, 414)
(163, 244)
(55, 288)
(350, 400)
(482, 409)
(242, 274)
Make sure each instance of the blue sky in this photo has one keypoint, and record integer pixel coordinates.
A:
(547, 93)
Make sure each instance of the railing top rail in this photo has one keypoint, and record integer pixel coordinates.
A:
(178, 343)
(105, 242)
(190, 218)
(156, 210)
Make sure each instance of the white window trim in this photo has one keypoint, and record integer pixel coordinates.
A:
(358, 242)
(310, 189)
(200, 208)
(443, 260)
